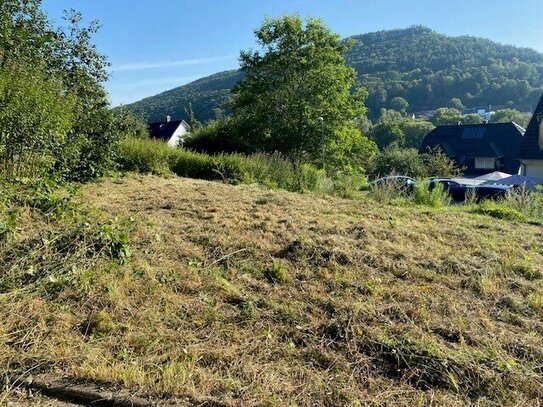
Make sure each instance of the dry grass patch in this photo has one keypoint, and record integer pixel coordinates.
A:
(253, 297)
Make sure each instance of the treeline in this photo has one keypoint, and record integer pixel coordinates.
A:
(414, 69)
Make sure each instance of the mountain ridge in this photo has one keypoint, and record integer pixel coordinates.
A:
(420, 65)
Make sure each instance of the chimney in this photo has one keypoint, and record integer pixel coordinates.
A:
(168, 119)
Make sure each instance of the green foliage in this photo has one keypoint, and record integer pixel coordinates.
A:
(472, 119)
(35, 118)
(277, 273)
(511, 115)
(127, 125)
(408, 161)
(271, 170)
(72, 71)
(387, 133)
(455, 103)
(500, 211)
(427, 69)
(414, 132)
(296, 95)
(438, 164)
(71, 238)
(399, 103)
(446, 115)
(435, 198)
(395, 160)
(212, 138)
(526, 201)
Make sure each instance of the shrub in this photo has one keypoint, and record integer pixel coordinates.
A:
(402, 161)
(388, 191)
(499, 211)
(271, 170)
(435, 197)
(35, 118)
(144, 155)
(525, 201)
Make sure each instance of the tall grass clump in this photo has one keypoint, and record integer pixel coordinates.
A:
(388, 191)
(435, 197)
(144, 156)
(526, 201)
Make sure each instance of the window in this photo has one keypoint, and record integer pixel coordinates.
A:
(473, 132)
(485, 163)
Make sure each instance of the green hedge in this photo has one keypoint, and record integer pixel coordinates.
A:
(272, 170)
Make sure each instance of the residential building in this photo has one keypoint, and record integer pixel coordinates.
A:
(172, 132)
(478, 148)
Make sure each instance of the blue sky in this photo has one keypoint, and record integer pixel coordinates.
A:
(156, 45)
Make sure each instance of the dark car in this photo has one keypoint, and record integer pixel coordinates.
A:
(455, 190)
(401, 182)
(458, 192)
(491, 191)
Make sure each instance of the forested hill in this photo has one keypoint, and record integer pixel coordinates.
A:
(423, 68)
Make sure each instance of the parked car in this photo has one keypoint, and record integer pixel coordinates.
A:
(494, 191)
(401, 182)
(458, 192)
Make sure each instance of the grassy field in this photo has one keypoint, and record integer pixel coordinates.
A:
(246, 296)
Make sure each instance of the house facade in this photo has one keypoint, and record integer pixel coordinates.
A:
(479, 148)
(530, 152)
(173, 132)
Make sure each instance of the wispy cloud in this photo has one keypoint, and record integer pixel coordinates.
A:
(139, 66)
(152, 82)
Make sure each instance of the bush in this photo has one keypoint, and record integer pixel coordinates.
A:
(271, 170)
(525, 201)
(499, 211)
(35, 118)
(436, 197)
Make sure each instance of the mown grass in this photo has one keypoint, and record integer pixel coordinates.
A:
(245, 296)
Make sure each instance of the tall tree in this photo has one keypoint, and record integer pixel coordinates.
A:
(297, 77)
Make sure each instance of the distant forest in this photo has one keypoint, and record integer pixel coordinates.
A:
(409, 70)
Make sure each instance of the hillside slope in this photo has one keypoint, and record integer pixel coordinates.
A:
(422, 66)
(243, 296)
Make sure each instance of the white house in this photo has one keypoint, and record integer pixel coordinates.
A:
(171, 131)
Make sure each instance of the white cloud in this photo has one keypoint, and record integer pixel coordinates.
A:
(166, 64)
(181, 80)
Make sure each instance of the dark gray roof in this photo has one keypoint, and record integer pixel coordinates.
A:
(463, 143)
(164, 130)
(529, 148)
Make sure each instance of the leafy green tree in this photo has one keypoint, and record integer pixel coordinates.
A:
(192, 120)
(296, 77)
(389, 115)
(400, 104)
(446, 115)
(472, 119)
(414, 132)
(438, 164)
(387, 133)
(128, 125)
(455, 103)
(511, 115)
(400, 161)
(407, 161)
(28, 39)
